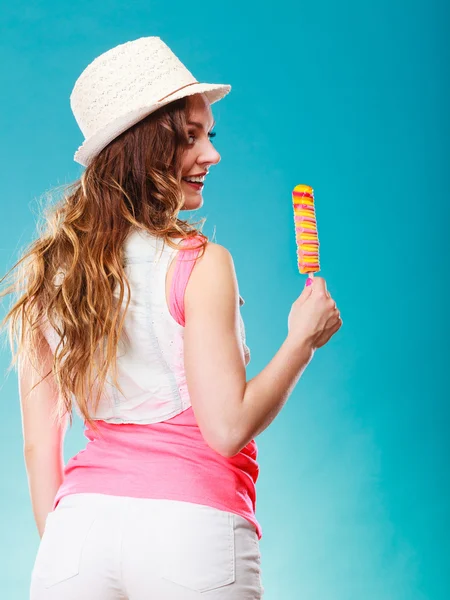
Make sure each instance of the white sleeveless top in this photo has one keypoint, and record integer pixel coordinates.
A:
(150, 358)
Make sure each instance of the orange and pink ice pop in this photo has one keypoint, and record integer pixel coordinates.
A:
(306, 235)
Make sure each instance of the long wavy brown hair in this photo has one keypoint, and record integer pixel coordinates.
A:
(135, 182)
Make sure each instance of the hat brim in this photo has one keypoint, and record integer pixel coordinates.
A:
(94, 144)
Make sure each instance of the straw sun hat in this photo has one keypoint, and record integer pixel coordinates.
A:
(125, 84)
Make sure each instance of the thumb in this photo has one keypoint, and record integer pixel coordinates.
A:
(307, 290)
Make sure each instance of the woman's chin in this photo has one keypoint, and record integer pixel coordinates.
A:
(192, 202)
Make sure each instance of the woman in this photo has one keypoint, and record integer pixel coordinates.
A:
(131, 317)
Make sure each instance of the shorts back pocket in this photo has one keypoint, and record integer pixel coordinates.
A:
(198, 547)
(59, 553)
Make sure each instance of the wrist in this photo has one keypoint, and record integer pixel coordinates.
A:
(300, 346)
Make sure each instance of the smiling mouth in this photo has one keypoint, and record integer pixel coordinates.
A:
(195, 185)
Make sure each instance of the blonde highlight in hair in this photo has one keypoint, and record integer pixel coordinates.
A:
(72, 275)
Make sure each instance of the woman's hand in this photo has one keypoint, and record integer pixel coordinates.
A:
(314, 317)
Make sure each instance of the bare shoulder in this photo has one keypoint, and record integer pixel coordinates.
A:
(213, 278)
(216, 252)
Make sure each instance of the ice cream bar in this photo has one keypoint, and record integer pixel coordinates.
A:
(306, 236)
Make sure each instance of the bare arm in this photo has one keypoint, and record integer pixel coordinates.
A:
(229, 410)
(43, 440)
(266, 394)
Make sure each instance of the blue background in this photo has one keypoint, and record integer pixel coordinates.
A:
(351, 98)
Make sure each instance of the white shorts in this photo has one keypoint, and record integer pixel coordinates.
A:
(102, 547)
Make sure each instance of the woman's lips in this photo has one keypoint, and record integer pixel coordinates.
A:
(196, 186)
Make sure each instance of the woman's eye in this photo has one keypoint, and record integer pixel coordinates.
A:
(192, 138)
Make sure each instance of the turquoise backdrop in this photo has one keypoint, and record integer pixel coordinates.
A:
(352, 98)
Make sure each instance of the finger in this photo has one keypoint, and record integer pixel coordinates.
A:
(333, 319)
(330, 331)
(306, 293)
(319, 285)
(325, 337)
(337, 326)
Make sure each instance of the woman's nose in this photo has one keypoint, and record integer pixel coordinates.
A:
(209, 155)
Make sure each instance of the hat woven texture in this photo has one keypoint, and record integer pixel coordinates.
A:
(125, 84)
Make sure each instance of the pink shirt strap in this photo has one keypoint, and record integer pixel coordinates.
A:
(185, 261)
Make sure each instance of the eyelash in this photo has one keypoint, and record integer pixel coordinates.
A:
(211, 135)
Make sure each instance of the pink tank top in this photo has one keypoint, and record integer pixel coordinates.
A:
(149, 461)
